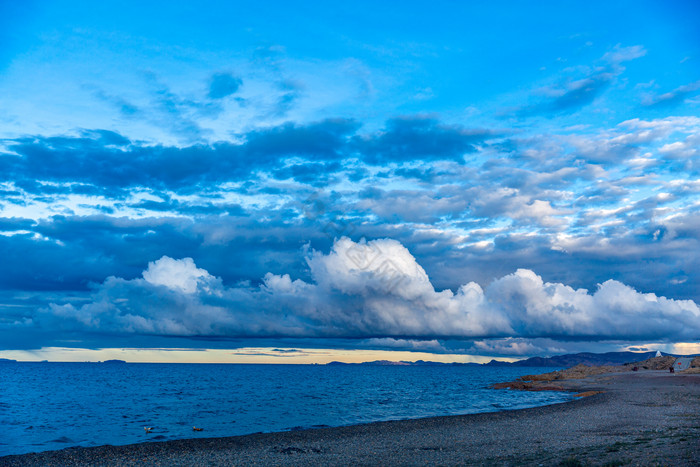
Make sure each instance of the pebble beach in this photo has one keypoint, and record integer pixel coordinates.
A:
(628, 418)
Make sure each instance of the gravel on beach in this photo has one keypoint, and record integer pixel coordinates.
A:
(640, 418)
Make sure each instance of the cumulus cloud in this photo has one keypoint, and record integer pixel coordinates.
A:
(578, 207)
(372, 290)
(180, 275)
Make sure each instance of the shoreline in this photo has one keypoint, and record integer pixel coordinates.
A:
(639, 418)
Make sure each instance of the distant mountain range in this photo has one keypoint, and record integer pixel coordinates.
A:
(569, 360)
(587, 358)
(402, 363)
(565, 361)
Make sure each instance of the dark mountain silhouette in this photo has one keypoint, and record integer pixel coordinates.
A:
(566, 361)
(586, 358)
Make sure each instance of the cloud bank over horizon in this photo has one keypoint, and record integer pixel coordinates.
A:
(162, 167)
(371, 290)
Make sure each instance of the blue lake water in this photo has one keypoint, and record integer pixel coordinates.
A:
(46, 406)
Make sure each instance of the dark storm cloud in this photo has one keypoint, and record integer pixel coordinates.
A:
(314, 174)
(15, 223)
(88, 160)
(68, 253)
(106, 138)
(108, 160)
(418, 138)
(200, 209)
(324, 140)
(40, 264)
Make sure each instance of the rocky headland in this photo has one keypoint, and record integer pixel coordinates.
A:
(548, 381)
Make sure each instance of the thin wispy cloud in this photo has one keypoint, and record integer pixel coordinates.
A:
(673, 98)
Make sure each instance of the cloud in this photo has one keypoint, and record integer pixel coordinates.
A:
(291, 91)
(321, 140)
(672, 99)
(223, 85)
(177, 113)
(371, 290)
(624, 54)
(180, 275)
(410, 205)
(578, 207)
(390, 343)
(125, 108)
(15, 224)
(507, 346)
(573, 94)
(419, 138)
(109, 160)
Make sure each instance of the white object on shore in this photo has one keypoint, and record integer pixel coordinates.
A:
(658, 353)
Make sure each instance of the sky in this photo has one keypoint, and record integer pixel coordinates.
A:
(314, 181)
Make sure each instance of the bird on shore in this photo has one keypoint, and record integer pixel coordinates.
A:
(147, 429)
(194, 428)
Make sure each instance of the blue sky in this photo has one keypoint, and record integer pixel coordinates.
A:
(466, 180)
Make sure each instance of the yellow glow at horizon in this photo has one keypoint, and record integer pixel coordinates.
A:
(242, 355)
(686, 348)
(676, 348)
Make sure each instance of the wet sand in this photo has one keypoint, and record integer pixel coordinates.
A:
(640, 418)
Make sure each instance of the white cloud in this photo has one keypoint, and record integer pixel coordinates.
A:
(432, 345)
(175, 274)
(374, 290)
(624, 54)
(679, 149)
(508, 346)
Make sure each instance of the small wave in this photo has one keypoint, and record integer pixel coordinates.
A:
(62, 440)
